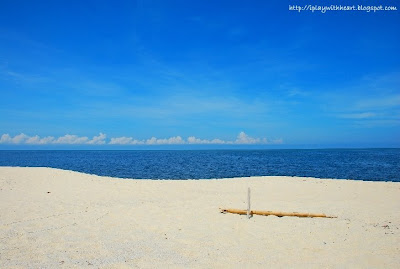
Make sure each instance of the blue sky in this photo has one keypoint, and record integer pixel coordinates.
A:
(134, 73)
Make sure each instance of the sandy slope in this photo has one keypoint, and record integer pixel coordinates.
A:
(52, 218)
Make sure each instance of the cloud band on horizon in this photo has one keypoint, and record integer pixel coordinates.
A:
(68, 139)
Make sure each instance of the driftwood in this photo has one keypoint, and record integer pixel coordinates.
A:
(276, 213)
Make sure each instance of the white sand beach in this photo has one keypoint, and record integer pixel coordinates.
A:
(52, 218)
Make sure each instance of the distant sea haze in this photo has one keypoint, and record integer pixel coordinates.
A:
(357, 164)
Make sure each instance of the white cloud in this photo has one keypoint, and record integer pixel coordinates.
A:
(125, 141)
(194, 140)
(62, 140)
(217, 141)
(377, 123)
(98, 140)
(18, 139)
(151, 141)
(386, 102)
(36, 140)
(170, 141)
(365, 115)
(71, 139)
(243, 138)
(296, 92)
(68, 139)
(5, 138)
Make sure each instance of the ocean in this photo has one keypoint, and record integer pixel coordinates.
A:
(357, 164)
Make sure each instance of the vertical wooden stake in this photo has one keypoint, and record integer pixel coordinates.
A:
(248, 203)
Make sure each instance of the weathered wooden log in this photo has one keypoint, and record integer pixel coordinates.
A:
(276, 213)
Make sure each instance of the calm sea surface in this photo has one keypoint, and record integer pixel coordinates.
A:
(360, 164)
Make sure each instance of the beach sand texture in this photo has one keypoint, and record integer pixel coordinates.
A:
(52, 218)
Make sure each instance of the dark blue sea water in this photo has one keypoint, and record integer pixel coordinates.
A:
(359, 164)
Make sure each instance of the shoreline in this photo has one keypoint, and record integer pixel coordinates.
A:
(201, 179)
(54, 218)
